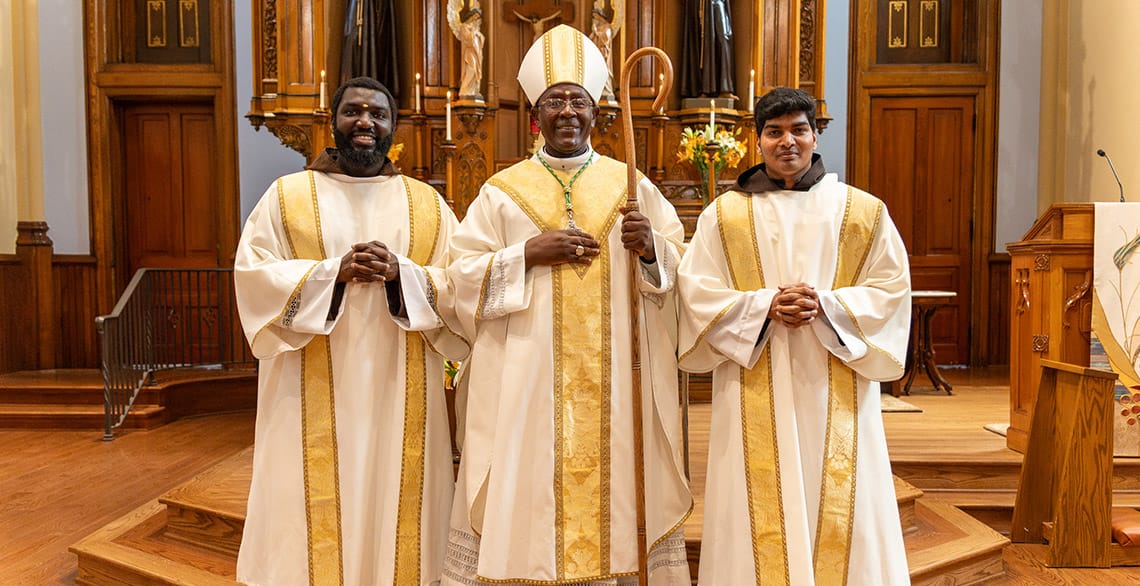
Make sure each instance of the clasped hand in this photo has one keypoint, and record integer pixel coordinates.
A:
(368, 262)
(795, 305)
(556, 247)
(571, 245)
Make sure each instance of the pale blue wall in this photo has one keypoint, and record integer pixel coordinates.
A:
(1019, 113)
(64, 125)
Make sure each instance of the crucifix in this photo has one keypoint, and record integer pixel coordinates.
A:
(538, 12)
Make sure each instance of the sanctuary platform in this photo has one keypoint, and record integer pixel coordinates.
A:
(955, 484)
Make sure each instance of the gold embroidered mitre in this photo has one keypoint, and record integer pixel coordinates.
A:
(563, 55)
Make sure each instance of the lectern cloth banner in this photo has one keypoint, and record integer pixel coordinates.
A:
(1115, 340)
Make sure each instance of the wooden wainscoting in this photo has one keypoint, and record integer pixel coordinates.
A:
(14, 317)
(77, 342)
(997, 326)
(70, 327)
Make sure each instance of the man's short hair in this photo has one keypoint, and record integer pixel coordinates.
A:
(781, 101)
(366, 83)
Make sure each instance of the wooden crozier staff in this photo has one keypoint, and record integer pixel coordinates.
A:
(635, 292)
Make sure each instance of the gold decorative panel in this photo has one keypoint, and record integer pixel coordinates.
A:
(156, 23)
(928, 24)
(167, 31)
(188, 23)
(896, 24)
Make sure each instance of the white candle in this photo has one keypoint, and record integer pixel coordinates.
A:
(448, 115)
(416, 106)
(324, 91)
(752, 90)
(712, 120)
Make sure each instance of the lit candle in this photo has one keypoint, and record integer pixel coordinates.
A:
(752, 90)
(448, 115)
(712, 120)
(324, 91)
(416, 106)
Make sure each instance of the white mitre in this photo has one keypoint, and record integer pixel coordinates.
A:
(563, 54)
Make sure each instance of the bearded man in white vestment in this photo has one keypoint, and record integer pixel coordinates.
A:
(541, 268)
(795, 293)
(339, 274)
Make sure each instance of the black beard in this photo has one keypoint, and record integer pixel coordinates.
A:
(353, 159)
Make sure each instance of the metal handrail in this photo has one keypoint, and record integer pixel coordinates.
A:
(167, 319)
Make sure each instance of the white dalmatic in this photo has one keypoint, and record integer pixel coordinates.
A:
(799, 486)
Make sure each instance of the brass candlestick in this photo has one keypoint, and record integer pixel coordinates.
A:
(711, 149)
(659, 121)
(419, 168)
(448, 147)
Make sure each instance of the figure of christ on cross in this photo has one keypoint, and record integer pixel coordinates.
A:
(538, 13)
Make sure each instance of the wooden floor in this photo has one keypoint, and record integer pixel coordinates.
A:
(949, 429)
(57, 487)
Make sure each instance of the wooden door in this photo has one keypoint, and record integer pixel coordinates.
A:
(922, 167)
(170, 220)
(922, 135)
(170, 208)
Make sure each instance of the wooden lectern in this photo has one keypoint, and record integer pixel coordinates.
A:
(1064, 496)
(1051, 309)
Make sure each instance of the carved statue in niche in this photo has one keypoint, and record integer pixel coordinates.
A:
(608, 16)
(706, 50)
(370, 43)
(466, 21)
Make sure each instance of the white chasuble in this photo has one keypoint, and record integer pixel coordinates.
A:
(799, 487)
(546, 490)
(352, 468)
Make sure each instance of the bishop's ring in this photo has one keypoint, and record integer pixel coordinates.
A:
(579, 250)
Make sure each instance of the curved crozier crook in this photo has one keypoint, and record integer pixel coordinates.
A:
(627, 113)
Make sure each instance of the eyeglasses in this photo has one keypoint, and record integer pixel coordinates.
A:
(556, 105)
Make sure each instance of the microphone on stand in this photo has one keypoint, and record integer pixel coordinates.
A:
(1113, 167)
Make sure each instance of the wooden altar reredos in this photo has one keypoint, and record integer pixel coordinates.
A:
(294, 40)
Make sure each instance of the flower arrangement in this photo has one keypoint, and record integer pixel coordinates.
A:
(692, 149)
(450, 371)
(395, 151)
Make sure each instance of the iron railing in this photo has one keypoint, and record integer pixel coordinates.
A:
(167, 319)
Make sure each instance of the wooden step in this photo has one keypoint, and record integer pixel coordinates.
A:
(995, 507)
(209, 510)
(906, 495)
(197, 528)
(52, 416)
(133, 550)
(952, 548)
(73, 398)
(80, 386)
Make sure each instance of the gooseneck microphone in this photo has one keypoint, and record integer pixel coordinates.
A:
(1113, 167)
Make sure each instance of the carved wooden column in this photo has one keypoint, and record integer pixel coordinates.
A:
(35, 251)
(607, 139)
(475, 151)
(811, 56)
